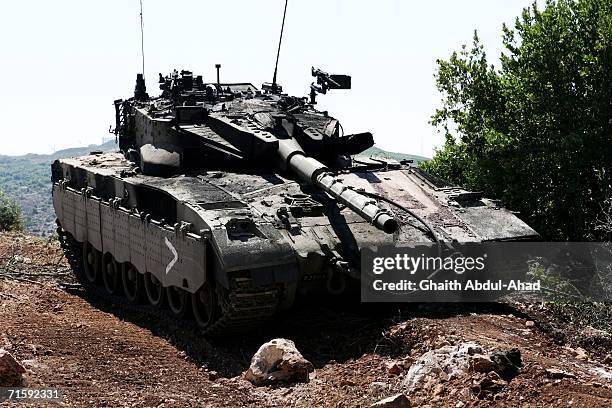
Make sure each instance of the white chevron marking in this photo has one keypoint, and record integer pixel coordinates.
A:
(171, 248)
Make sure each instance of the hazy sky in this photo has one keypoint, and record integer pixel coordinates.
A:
(64, 62)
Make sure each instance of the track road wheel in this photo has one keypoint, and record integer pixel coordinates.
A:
(179, 301)
(154, 290)
(92, 263)
(111, 274)
(133, 285)
(204, 306)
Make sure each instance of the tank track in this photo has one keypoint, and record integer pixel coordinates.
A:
(242, 308)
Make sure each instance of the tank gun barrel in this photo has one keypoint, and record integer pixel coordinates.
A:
(311, 170)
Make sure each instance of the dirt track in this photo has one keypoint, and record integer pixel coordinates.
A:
(102, 354)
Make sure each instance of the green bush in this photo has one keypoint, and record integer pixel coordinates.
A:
(537, 131)
(10, 214)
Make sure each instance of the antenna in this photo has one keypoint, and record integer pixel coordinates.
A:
(218, 66)
(279, 47)
(142, 38)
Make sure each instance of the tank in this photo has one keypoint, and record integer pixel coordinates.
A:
(225, 202)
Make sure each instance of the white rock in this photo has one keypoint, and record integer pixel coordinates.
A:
(396, 401)
(278, 361)
(445, 363)
(11, 371)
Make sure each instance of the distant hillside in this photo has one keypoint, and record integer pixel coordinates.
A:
(27, 179)
(375, 151)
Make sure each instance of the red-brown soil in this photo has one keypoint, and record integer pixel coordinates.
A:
(102, 354)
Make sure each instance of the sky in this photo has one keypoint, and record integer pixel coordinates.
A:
(64, 62)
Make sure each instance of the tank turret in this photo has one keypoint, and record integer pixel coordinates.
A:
(236, 125)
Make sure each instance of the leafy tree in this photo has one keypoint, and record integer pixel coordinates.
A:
(10, 214)
(537, 131)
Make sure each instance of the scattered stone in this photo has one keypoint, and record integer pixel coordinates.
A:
(11, 371)
(405, 362)
(494, 376)
(529, 323)
(396, 401)
(608, 359)
(438, 390)
(278, 361)
(441, 342)
(481, 364)
(32, 364)
(581, 354)
(556, 374)
(378, 386)
(508, 363)
(459, 404)
(213, 375)
(393, 368)
(35, 348)
(489, 386)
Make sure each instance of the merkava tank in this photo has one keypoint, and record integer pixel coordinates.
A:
(225, 201)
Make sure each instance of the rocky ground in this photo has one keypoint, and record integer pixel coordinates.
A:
(101, 354)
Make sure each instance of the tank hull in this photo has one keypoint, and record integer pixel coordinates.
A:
(266, 232)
